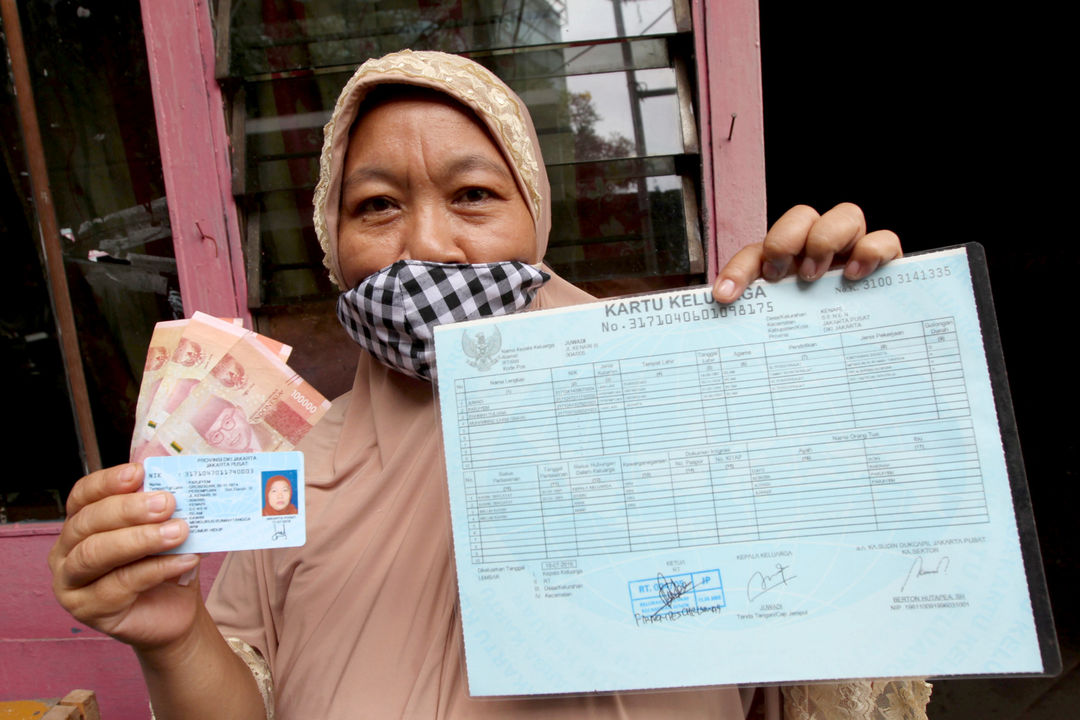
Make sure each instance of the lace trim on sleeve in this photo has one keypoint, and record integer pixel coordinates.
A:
(858, 700)
(260, 670)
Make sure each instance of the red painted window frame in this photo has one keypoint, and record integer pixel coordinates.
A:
(728, 48)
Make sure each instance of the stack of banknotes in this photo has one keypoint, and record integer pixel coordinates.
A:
(212, 387)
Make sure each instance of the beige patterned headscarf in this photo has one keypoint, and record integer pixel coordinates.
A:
(471, 84)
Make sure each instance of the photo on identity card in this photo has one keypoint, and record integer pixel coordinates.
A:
(234, 502)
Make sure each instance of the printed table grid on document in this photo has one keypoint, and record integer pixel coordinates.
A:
(695, 448)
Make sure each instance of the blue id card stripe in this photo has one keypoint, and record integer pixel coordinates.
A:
(234, 502)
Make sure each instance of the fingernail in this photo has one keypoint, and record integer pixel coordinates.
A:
(172, 530)
(127, 473)
(191, 574)
(726, 288)
(852, 269)
(808, 270)
(772, 271)
(190, 566)
(155, 502)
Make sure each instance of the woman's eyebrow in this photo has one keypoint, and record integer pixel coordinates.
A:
(457, 166)
(473, 161)
(364, 174)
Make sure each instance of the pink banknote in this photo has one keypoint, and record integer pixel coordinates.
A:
(250, 401)
(203, 342)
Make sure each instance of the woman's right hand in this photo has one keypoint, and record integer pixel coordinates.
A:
(105, 572)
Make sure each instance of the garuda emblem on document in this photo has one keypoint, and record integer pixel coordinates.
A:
(481, 346)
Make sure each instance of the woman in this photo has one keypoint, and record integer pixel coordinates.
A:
(278, 500)
(428, 157)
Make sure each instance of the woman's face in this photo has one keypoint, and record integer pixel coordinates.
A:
(279, 494)
(423, 181)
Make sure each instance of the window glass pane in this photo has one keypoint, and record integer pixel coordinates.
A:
(595, 117)
(615, 219)
(292, 266)
(294, 34)
(606, 111)
(88, 67)
(526, 63)
(595, 19)
(283, 138)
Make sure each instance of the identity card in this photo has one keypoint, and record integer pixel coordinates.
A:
(243, 501)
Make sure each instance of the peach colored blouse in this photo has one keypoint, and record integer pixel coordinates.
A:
(362, 621)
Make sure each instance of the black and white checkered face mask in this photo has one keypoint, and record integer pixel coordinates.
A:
(393, 313)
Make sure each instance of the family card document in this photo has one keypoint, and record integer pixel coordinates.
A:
(808, 484)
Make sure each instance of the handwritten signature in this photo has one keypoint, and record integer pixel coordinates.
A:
(671, 590)
(918, 570)
(760, 583)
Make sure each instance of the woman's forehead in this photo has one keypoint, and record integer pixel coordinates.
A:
(421, 115)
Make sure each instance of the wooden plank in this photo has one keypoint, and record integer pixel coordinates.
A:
(86, 703)
(729, 82)
(222, 46)
(30, 611)
(195, 158)
(62, 712)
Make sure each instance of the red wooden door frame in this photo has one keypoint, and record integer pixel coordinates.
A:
(195, 157)
(728, 48)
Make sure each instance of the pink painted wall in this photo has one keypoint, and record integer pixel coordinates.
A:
(43, 651)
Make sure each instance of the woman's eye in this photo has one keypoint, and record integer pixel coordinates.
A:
(476, 195)
(375, 205)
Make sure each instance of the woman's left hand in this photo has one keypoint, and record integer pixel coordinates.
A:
(804, 242)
